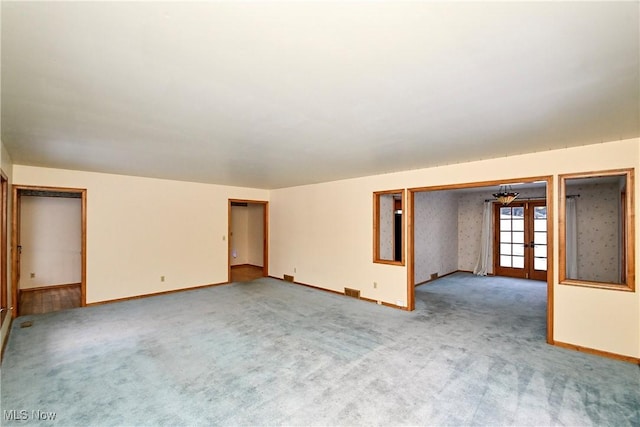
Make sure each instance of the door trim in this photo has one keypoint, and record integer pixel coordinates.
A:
(494, 183)
(4, 202)
(15, 221)
(265, 243)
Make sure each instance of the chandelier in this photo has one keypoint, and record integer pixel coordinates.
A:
(505, 195)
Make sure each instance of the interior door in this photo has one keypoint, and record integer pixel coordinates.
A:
(520, 248)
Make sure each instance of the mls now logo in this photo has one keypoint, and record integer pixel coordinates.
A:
(14, 415)
(24, 415)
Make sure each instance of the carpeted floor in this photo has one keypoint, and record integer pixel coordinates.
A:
(272, 353)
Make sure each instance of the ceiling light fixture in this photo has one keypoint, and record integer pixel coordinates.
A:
(505, 195)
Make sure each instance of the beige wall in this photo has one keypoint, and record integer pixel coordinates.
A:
(51, 240)
(255, 238)
(142, 228)
(239, 235)
(139, 229)
(323, 235)
(332, 248)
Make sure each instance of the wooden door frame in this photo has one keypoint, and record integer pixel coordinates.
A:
(494, 183)
(4, 202)
(265, 243)
(528, 271)
(15, 232)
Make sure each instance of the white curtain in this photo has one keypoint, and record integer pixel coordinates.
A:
(571, 238)
(486, 239)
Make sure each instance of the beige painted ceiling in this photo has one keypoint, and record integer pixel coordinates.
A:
(277, 94)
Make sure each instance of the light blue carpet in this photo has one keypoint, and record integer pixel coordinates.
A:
(273, 353)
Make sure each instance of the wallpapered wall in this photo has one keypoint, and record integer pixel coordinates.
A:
(386, 226)
(436, 225)
(470, 207)
(598, 222)
(441, 215)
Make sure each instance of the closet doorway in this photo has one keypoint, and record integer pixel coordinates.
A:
(48, 249)
(248, 246)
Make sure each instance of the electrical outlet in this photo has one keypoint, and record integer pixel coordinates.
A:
(375, 285)
(295, 270)
(33, 275)
(224, 238)
(162, 278)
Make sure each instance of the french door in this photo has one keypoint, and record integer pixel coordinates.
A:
(520, 241)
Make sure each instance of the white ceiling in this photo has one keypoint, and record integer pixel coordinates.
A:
(276, 94)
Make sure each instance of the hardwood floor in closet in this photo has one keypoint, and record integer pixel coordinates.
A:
(41, 301)
(245, 273)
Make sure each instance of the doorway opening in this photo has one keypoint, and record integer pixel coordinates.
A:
(248, 242)
(48, 249)
(450, 226)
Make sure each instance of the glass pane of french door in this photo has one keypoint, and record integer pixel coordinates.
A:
(521, 240)
(512, 237)
(540, 238)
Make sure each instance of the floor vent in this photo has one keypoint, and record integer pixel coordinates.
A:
(288, 278)
(355, 293)
(26, 324)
